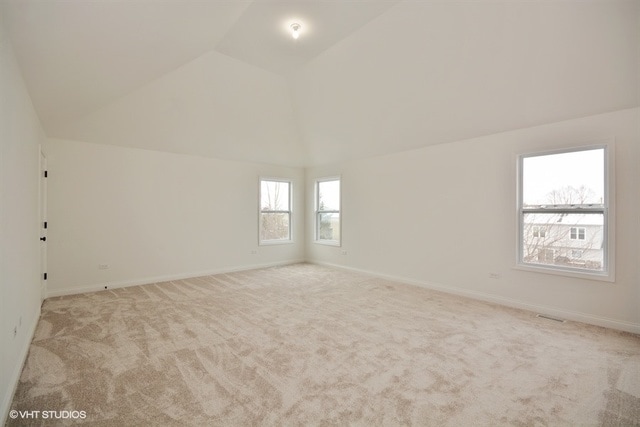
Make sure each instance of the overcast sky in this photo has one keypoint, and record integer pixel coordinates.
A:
(330, 194)
(543, 174)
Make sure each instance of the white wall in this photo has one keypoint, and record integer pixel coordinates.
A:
(444, 216)
(20, 136)
(152, 216)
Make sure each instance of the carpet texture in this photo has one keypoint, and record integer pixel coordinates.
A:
(310, 345)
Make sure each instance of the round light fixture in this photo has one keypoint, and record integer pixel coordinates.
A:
(295, 30)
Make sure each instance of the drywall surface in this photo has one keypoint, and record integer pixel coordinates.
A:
(445, 216)
(121, 216)
(20, 138)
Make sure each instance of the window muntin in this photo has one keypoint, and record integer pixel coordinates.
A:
(563, 211)
(275, 211)
(328, 221)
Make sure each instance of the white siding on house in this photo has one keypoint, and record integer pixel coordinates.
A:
(564, 240)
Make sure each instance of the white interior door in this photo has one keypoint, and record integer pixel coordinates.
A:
(43, 226)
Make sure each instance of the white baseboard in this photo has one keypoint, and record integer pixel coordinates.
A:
(575, 316)
(17, 369)
(157, 279)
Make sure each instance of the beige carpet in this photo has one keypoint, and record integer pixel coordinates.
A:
(309, 345)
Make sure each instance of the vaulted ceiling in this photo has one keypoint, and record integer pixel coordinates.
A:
(225, 79)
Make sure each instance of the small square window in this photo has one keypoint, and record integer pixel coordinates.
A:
(577, 233)
(539, 231)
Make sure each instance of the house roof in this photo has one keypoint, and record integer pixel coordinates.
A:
(568, 220)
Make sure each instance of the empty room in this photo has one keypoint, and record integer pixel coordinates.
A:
(311, 212)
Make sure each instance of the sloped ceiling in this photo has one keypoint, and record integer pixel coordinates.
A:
(77, 56)
(225, 79)
(432, 72)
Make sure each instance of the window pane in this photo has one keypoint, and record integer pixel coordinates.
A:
(570, 240)
(329, 195)
(274, 196)
(564, 179)
(275, 226)
(329, 226)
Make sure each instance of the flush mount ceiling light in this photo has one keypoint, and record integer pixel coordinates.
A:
(295, 30)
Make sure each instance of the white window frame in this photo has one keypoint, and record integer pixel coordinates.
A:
(318, 212)
(268, 242)
(608, 272)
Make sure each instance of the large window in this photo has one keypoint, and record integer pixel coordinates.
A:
(275, 211)
(563, 212)
(328, 211)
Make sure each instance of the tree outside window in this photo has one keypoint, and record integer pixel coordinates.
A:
(275, 211)
(328, 211)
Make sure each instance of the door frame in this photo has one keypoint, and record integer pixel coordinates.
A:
(43, 223)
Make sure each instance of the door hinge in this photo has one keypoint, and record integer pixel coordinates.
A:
(45, 276)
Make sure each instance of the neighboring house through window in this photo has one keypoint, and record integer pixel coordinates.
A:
(564, 212)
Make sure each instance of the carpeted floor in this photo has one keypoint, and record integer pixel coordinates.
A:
(309, 345)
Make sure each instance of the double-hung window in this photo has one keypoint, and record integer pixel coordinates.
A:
(327, 207)
(564, 212)
(275, 211)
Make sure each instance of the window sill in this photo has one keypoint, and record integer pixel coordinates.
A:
(275, 242)
(328, 242)
(567, 272)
